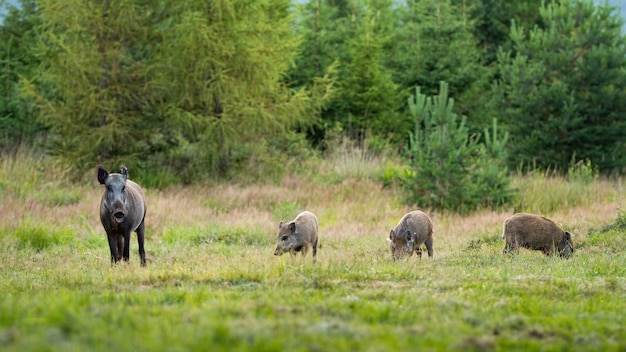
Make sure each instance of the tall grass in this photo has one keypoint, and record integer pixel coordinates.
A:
(212, 281)
(546, 193)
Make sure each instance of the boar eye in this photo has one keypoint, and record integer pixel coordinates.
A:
(284, 238)
(109, 188)
(123, 188)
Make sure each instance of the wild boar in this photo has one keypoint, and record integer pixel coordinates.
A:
(298, 235)
(536, 232)
(413, 230)
(122, 211)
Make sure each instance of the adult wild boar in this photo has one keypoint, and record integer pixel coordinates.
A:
(537, 233)
(298, 235)
(122, 211)
(413, 230)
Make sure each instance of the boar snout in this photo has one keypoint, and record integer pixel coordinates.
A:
(118, 216)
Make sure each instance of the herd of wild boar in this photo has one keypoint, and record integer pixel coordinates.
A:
(123, 210)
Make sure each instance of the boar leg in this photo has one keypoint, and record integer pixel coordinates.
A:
(314, 251)
(126, 240)
(140, 238)
(548, 251)
(429, 247)
(112, 238)
(120, 247)
(510, 247)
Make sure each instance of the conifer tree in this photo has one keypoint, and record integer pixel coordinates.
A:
(223, 64)
(562, 91)
(450, 169)
(433, 42)
(18, 34)
(353, 33)
(191, 85)
(92, 89)
(368, 96)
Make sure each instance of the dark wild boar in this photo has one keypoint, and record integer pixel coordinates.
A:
(298, 235)
(413, 230)
(122, 211)
(537, 233)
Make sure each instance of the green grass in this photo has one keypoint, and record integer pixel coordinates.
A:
(213, 283)
(242, 298)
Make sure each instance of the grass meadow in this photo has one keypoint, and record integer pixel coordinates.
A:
(212, 282)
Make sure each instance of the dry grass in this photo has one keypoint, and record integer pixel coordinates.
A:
(347, 210)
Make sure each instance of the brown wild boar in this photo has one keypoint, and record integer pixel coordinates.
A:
(413, 230)
(298, 235)
(537, 233)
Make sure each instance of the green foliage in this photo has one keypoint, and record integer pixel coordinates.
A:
(451, 169)
(493, 19)
(582, 171)
(432, 41)
(18, 35)
(491, 178)
(355, 34)
(169, 86)
(368, 96)
(562, 90)
(91, 91)
(270, 160)
(224, 76)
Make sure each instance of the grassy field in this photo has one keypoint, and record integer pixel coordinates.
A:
(212, 282)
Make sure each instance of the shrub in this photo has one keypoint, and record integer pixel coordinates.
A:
(451, 169)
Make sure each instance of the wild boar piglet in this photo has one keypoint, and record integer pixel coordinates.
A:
(414, 230)
(298, 235)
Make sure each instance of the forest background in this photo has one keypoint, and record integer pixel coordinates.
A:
(455, 93)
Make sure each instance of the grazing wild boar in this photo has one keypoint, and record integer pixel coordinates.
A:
(413, 230)
(298, 235)
(538, 233)
(122, 211)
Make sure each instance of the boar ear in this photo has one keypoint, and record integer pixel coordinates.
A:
(568, 236)
(280, 225)
(102, 174)
(292, 227)
(124, 171)
(391, 235)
